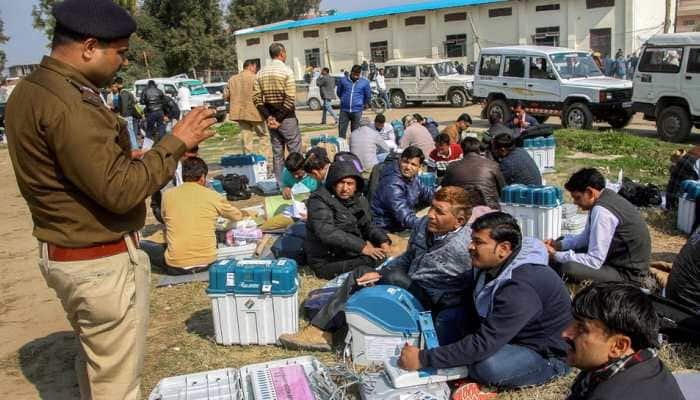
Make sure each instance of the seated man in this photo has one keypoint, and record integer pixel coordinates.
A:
(521, 120)
(688, 167)
(400, 194)
(444, 154)
(476, 172)
(316, 164)
(366, 143)
(190, 212)
(386, 131)
(614, 246)
(157, 197)
(454, 131)
(294, 173)
(683, 285)
(415, 134)
(429, 124)
(512, 331)
(496, 127)
(613, 340)
(516, 165)
(435, 268)
(340, 236)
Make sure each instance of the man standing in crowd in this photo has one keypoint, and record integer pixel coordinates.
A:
(516, 165)
(86, 193)
(454, 131)
(511, 335)
(184, 97)
(614, 246)
(326, 85)
(613, 340)
(381, 86)
(355, 94)
(154, 100)
(366, 143)
(128, 111)
(239, 93)
(274, 95)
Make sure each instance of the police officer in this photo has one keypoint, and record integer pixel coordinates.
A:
(72, 159)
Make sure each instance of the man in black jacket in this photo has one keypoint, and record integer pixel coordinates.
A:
(154, 100)
(326, 85)
(613, 340)
(516, 165)
(340, 236)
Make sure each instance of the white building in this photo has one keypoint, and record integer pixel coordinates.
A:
(455, 29)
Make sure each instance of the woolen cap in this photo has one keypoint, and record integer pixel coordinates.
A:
(102, 19)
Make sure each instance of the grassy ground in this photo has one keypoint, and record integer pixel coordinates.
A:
(181, 331)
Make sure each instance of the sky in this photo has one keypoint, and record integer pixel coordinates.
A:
(27, 45)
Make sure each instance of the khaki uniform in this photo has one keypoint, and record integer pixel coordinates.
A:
(71, 157)
(239, 93)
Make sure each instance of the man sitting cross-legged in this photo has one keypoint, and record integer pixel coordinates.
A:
(613, 340)
(512, 331)
(435, 268)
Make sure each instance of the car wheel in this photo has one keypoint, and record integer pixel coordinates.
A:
(673, 124)
(578, 116)
(500, 107)
(620, 120)
(314, 104)
(398, 100)
(457, 98)
(541, 119)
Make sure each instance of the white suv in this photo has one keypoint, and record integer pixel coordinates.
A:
(667, 84)
(551, 81)
(199, 94)
(426, 79)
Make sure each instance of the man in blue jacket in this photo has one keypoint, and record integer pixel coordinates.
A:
(354, 94)
(400, 193)
(519, 310)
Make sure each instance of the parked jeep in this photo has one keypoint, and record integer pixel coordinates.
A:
(421, 80)
(551, 81)
(199, 94)
(667, 84)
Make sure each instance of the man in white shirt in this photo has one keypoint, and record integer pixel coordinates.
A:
(183, 100)
(386, 131)
(381, 86)
(366, 144)
(614, 246)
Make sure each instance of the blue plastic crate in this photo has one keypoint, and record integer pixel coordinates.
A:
(428, 179)
(691, 189)
(253, 277)
(241, 160)
(537, 196)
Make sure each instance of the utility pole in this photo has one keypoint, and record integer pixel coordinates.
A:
(476, 36)
(145, 60)
(667, 20)
(328, 56)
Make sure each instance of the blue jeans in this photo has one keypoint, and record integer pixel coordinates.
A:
(516, 366)
(447, 323)
(351, 118)
(155, 123)
(385, 95)
(328, 109)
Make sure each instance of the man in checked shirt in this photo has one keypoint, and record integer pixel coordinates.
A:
(274, 95)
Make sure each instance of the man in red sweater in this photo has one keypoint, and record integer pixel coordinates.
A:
(443, 154)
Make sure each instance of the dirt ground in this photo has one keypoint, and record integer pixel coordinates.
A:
(36, 344)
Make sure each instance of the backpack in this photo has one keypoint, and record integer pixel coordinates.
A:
(678, 323)
(291, 243)
(235, 186)
(640, 195)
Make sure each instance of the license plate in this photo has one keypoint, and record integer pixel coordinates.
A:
(627, 104)
(220, 108)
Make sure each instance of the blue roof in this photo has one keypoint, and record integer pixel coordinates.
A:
(378, 12)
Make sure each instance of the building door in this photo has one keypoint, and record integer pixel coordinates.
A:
(601, 41)
(379, 51)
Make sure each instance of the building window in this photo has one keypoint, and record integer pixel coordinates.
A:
(547, 7)
(252, 42)
(379, 51)
(600, 3)
(601, 41)
(500, 12)
(665, 60)
(461, 16)
(456, 45)
(312, 57)
(278, 37)
(547, 36)
(689, 22)
(417, 20)
(311, 34)
(342, 29)
(693, 62)
(408, 71)
(490, 65)
(378, 24)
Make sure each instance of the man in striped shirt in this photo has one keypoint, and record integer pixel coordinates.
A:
(274, 96)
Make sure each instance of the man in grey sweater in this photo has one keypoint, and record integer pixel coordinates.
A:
(365, 143)
(326, 85)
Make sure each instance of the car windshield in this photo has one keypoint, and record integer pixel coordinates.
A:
(196, 87)
(445, 68)
(215, 89)
(575, 65)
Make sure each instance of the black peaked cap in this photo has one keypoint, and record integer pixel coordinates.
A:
(102, 19)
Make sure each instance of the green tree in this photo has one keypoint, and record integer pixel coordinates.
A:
(43, 20)
(247, 13)
(3, 39)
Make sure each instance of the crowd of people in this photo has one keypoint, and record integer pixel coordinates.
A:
(499, 299)
(617, 65)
